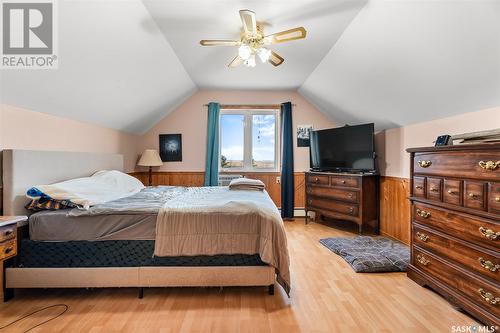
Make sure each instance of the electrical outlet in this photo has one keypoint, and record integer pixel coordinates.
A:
(278, 180)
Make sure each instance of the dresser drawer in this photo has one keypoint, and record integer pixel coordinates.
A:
(334, 206)
(477, 290)
(476, 165)
(419, 187)
(344, 181)
(474, 195)
(434, 191)
(470, 228)
(8, 249)
(7, 232)
(494, 198)
(481, 261)
(318, 179)
(452, 192)
(334, 193)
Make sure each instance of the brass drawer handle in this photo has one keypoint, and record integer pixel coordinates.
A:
(423, 237)
(486, 264)
(489, 297)
(497, 199)
(489, 165)
(433, 189)
(350, 195)
(423, 213)
(418, 187)
(351, 210)
(474, 196)
(316, 179)
(424, 164)
(421, 259)
(8, 232)
(452, 192)
(8, 250)
(488, 233)
(343, 182)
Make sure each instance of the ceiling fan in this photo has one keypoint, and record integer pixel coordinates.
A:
(253, 42)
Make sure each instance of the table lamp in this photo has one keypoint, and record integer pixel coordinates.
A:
(150, 158)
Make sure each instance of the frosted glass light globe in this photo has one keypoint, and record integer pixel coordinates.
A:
(264, 54)
(250, 62)
(244, 52)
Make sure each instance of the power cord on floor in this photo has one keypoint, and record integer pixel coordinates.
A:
(66, 307)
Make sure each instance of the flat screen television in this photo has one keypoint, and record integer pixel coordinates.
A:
(349, 148)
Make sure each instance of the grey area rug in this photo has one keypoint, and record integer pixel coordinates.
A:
(368, 254)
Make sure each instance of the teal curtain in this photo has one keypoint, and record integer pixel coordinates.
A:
(212, 160)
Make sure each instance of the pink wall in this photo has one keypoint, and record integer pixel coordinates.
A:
(24, 129)
(190, 119)
(391, 144)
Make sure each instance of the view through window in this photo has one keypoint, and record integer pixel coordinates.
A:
(248, 140)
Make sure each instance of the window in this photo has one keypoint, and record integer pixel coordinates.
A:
(249, 140)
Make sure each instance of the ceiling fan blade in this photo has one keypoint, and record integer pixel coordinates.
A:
(249, 21)
(276, 59)
(287, 35)
(235, 62)
(219, 42)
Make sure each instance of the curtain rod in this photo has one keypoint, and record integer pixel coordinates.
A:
(250, 106)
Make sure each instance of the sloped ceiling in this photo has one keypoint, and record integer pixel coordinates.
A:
(115, 69)
(185, 23)
(401, 62)
(126, 64)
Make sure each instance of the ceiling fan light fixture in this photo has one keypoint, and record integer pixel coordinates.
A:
(244, 52)
(254, 43)
(250, 62)
(264, 54)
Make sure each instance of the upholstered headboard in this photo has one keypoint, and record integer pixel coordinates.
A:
(23, 169)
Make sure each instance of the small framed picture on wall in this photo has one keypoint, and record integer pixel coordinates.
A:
(171, 147)
(303, 135)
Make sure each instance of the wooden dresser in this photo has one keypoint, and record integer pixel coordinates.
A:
(455, 225)
(344, 196)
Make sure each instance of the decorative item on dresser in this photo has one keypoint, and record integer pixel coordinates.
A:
(344, 196)
(455, 236)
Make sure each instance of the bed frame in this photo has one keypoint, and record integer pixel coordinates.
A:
(25, 168)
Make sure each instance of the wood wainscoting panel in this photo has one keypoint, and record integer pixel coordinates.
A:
(196, 178)
(395, 208)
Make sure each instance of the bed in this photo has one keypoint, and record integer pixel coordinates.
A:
(115, 249)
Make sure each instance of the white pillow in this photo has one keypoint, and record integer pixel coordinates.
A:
(101, 187)
(119, 180)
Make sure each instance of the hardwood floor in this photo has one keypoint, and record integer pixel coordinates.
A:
(327, 296)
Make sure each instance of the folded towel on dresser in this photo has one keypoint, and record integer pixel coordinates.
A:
(247, 184)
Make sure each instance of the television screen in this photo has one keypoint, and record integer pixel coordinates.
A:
(343, 149)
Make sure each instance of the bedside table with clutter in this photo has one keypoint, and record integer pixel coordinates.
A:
(8, 240)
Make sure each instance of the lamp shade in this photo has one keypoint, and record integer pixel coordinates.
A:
(150, 157)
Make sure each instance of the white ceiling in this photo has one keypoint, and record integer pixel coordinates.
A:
(401, 62)
(125, 64)
(115, 69)
(185, 23)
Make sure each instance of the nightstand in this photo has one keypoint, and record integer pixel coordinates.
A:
(8, 242)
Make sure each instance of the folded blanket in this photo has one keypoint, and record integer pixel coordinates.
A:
(215, 220)
(247, 184)
(103, 186)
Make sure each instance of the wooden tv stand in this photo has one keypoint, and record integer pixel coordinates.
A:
(344, 196)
